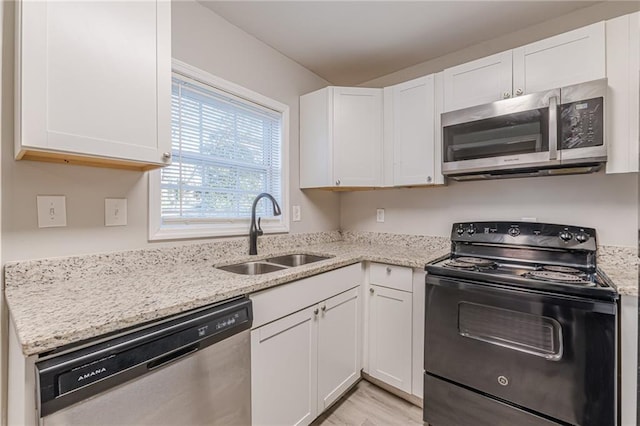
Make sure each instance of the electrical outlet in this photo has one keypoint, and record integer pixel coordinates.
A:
(380, 215)
(296, 213)
(52, 211)
(115, 211)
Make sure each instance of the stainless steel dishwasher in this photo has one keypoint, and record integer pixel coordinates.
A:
(192, 369)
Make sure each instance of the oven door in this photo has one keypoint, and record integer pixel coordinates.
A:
(509, 134)
(552, 355)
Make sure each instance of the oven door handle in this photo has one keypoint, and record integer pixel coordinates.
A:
(584, 304)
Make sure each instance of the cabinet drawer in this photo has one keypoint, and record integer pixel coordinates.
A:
(277, 302)
(398, 277)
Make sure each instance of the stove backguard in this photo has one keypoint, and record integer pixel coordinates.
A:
(528, 242)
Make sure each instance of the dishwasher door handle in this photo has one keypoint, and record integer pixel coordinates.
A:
(171, 357)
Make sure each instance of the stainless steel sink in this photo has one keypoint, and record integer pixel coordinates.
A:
(296, 259)
(252, 268)
(272, 264)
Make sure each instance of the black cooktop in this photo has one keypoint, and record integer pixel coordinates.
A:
(536, 256)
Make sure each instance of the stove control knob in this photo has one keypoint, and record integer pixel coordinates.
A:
(460, 230)
(566, 235)
(514, 232)
(582, 237)
(471, 230)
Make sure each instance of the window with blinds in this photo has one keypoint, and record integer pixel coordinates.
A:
(226, 150)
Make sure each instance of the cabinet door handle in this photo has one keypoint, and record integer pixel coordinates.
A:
(315, 312)
(324, 308)
(388, 269)
(166, 156)
(506, 95)
(429, 179)
(519, 92)
(371, 291)
(338, 182)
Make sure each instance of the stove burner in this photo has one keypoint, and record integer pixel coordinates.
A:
(459, 265)
(475, 261)
(561, 269)
(558, 277)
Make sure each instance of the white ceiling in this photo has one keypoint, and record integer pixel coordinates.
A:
(350, 42)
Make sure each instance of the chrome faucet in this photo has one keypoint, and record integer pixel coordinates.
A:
(256, 231)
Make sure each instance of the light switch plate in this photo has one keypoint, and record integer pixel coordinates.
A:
(115, 211)
(52, 211)
(380, 215)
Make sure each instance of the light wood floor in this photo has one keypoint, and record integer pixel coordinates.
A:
(368, 405)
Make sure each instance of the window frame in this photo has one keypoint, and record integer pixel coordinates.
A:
(221, 227)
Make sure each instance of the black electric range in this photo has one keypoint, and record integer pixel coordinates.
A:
(520, 328)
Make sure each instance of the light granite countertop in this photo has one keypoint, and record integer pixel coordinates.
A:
(72, 307)
(56, 302)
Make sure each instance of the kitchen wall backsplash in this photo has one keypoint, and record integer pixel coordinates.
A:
(47, 271)
(617, 255)
(419, 242)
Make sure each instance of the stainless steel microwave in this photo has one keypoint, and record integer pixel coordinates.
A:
(559, 131)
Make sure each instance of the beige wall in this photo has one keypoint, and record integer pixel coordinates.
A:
(605, 202)
(200, 38)
(608, 203)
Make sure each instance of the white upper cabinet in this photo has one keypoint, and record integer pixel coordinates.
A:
(341, 138)
(478, 82)
(410, 131)
(94, 82)
(623, 76)
(569, 58)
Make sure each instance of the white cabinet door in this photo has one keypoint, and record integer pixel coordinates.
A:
(413, 132)
(623, 77)
(570, 58)
(390, 336)
(439, 109)
(478, 82)
(283, 370)
(339, 346)
(357, 137)
(94, 80)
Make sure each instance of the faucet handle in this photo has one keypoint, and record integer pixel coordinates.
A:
(259, 230)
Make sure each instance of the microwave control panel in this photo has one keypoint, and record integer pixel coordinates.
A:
(582, 124)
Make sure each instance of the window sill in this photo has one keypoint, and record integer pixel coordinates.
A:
(179, 232)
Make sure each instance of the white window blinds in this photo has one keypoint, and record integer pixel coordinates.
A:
(226, 150)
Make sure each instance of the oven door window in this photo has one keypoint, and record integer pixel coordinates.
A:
(513, 134)
(532, 334)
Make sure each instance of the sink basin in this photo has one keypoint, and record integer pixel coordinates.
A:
(296, 259)
(252, 268)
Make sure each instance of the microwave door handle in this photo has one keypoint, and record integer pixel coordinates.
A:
(553, 128)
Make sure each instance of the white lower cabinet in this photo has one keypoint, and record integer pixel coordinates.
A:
(301, 363)
(390, 336)
(283, 373)
(339, 337)
(390, 323)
